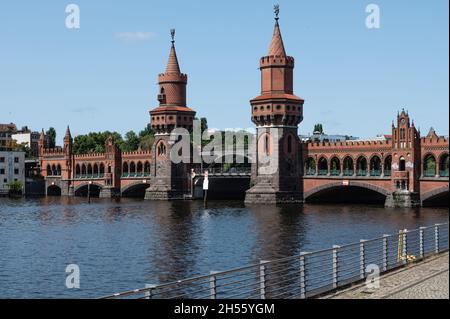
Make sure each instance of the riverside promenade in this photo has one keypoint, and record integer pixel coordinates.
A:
(428, 279)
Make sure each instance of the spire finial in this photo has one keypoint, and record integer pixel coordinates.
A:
(276, 9)
(172, 34)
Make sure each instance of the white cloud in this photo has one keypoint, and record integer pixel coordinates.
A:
(135, 36)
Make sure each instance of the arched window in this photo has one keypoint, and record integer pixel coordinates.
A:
(77, 171)
(429, 166)
(289, 144)
(443, 166)
(125, 171)
(49, 170)
(102, 169)
(54, 172)
(361, 166)
(375, 166)
(132, 169)
(402, 164)
(58, 170)
(146, 169)
(161, 149)
(388, 166)
(310, 166)
(335, 167)
(83, 170)
(96, 170)
(89, 170)
(266, 145)
(323, 166)
(348, 166)
(140, 169)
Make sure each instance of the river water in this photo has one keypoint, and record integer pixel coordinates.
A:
(122, 245)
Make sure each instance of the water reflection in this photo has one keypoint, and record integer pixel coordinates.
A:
(121, 245)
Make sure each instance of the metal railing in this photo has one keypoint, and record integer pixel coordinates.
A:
(308, 274)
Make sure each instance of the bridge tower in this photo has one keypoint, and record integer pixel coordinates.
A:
(169, 179)
(67, 167)
(113, 168)
(405, 163)
(277, 112)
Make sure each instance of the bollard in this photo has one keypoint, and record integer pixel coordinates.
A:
(335, 265)
(262, 278)
(421, 242)
(385, 252)
(302, 275)
(362, 259)
(148, 293)
(436, 238)
(213, 285)
(405, 247)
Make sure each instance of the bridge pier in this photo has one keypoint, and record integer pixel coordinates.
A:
(402, 199)
(264, 193)
(109, 192)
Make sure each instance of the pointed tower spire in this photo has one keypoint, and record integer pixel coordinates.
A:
(276, 45)
(172, 65)
(68, 132)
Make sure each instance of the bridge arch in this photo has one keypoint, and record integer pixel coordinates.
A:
(322, 165)
(134, 190)
(310, 166)
(388, 165)
(354, 192)
(361, 166)
(429, 165)
(348, 165)
(54, 190)
(82, 189)
(375, 165)
(436, 197)
(335, 166)
(444, 165)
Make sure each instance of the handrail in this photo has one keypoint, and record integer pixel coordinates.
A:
(337, 265)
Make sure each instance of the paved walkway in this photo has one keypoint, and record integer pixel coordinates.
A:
(428, 279)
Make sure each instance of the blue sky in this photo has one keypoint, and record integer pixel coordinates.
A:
(104, 75)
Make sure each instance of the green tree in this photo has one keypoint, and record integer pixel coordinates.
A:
(131, 142)
(15, 187)
(94, 142)
(51, 133)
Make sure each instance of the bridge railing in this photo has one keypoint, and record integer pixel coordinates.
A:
(308, 274)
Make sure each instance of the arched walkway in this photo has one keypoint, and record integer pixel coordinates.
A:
(82, 190)
(356, 192)
(436, 197)
(53, 190)
(136, 190)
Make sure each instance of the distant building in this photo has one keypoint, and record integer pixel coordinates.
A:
(12, 168)
(30, 139)
(6, 132)
(322, 137)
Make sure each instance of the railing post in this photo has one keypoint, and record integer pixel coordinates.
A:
(149, 293)
(421, 242)
(335, 265)
(385, 252)
(302, 275)
(262, 277)
(436, 238)
(213, 285)
(362, 259)
(405, 247)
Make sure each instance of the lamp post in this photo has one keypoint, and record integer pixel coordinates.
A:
(89, 192)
